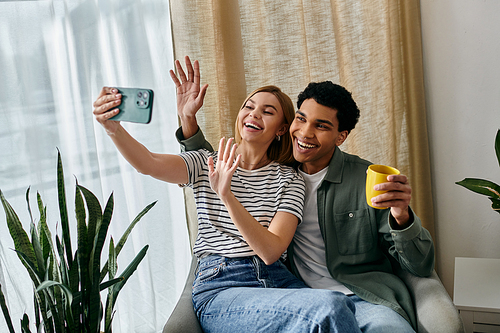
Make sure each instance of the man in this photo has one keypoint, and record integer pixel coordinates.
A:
(343, 244)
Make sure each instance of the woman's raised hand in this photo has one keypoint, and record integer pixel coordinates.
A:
(189, 94)
(220, 177)
(106, 106)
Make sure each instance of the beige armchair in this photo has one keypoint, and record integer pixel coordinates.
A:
(435, 310)
(434, 307)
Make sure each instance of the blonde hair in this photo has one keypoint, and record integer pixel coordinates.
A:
(279, 151)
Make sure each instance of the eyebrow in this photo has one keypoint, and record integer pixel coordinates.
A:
(322, 121)
(266, 105)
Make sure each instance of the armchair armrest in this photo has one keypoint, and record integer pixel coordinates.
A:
(434, 308)
(183, 319)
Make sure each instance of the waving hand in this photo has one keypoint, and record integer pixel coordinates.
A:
(189, 94)
(220, 177)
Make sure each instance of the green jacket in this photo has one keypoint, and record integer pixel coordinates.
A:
(363, 251)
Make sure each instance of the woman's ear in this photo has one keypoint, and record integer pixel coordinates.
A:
(283, 129)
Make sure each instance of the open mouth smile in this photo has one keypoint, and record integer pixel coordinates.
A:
(253, 126)
(304, 146)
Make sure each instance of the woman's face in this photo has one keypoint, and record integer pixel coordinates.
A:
(261, 119)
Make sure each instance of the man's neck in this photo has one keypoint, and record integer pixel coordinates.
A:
(316, 166)
(311, 169)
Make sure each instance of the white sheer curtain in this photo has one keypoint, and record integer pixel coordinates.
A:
(54, 58)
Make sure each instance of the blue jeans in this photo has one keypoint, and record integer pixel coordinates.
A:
(375, 318)
(245, 295)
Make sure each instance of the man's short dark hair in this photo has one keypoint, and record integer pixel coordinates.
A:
(336, 97)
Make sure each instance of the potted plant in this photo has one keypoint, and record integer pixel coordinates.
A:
(67, 283)
(486, 187)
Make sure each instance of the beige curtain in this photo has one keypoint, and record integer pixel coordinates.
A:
(371, 47)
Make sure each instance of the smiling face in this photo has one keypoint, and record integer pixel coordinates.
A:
(315, 135)
(261, 119)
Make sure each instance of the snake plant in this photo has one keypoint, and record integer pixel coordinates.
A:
(67, 284)
(486, 187)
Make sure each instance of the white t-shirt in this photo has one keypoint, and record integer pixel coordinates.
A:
(308, 243)
(263, 192)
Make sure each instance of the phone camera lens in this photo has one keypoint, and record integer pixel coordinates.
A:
(139, 94)
(140, 103)
(145, 95)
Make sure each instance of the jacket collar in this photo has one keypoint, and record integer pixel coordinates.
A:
(336, 167)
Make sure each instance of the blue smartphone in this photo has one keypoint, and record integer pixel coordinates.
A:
(136, 105)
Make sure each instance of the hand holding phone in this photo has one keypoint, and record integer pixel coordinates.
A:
(136, 105)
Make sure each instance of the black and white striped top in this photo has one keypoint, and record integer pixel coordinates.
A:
(263, 192)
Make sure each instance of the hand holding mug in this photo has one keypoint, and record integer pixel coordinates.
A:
(387, 188)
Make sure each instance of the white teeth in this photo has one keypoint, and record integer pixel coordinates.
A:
(252, 126)
(304, 145)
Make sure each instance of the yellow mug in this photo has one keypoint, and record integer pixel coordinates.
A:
(377, 174)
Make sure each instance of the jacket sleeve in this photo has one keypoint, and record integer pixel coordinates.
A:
(195, 142)
(412, 247)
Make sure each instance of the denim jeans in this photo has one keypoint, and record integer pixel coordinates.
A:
(245, 295)
(375, 318)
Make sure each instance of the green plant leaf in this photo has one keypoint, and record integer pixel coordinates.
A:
(56, 317)
(495, 204)
(25, 324)
(37, 315)
(41, 208)
(63, 211)
(27, 197)
(17, 232)
(53, 273)
(53, 299)
(129, 271)
(63, 267)
(497, 146)
(94, 222)
(35, 241)
(52, 270)
(43, 230)
(112, 264)
(125, 235)
(108, 316)
(95, 306)
(30, 266)
(110, 283)
(481, 186)
(99, 240)
(83, 244)
(82, 225)
(67, 292)
(115, 290)
(95, 215)
(73, 274)
(5, 311)
(77, 296)
(43, 307)
(67, 299)
(37, 248)
(45, 301)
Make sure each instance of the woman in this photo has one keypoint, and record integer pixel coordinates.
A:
(249, 205)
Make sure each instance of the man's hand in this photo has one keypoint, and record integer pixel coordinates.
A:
(397, 198)
(189, 95)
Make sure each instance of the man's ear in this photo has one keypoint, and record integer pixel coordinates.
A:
(342, 137)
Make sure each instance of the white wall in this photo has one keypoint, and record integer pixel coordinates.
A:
(461, 49)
